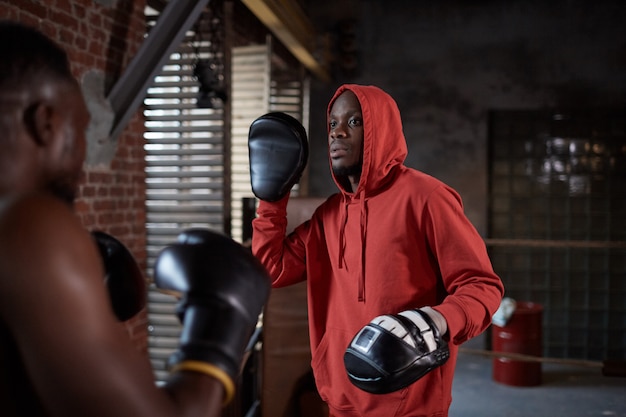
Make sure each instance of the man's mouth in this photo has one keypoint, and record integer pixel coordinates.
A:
(337, 151)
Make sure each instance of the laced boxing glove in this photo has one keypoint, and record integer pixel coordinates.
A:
(224, 288)
(393, 351)
(278, 152)
(124, 280)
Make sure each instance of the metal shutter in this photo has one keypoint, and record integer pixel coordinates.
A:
(185, 161)
(184, 179)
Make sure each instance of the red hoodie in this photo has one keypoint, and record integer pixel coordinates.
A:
(401, 241)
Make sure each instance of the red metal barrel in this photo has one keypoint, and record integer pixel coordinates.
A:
(521, 334)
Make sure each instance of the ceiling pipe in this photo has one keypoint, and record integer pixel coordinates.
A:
(128, 93)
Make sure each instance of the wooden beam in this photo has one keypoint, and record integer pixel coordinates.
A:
(292, 27)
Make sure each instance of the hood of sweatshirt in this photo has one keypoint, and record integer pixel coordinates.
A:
(384, 145)
(384, 150)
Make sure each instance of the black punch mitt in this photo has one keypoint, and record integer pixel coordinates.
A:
(278, 151)
(394, 351)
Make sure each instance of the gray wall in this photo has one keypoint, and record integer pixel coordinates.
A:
(449, 63)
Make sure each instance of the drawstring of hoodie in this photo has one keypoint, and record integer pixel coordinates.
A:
(363, 219)
(342, 242)
(342, 234)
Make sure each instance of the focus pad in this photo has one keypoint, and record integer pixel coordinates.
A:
(278, 151)
(392, 352)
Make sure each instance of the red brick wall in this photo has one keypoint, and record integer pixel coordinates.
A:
(104, 38)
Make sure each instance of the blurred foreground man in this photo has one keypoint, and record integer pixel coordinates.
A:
(62, 350)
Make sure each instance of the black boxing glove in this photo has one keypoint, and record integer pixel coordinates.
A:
(393, 351)
(224, 288)
(123, 278)
(278, 152)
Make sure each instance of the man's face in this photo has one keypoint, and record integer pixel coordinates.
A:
(345, 135)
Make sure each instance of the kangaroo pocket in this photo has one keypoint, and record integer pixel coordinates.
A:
(336, 389)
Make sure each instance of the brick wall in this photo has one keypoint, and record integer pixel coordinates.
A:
(103, 37)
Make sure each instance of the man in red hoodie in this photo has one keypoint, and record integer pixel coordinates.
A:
(393, 239)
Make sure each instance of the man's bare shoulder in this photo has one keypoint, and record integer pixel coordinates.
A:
(38, 234)
(31, 212)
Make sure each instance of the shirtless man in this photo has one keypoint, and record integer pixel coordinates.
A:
(62, 350)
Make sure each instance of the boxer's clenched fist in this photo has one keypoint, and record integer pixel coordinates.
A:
(224, 288)
(123, 277)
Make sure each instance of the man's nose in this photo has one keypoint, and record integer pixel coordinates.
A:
(339, 131)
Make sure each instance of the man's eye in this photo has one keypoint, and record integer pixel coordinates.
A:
(355, 122)
(333, 124)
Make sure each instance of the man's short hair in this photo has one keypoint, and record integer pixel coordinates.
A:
(28, 56)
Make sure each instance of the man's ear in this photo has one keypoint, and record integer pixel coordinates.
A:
(42, 121)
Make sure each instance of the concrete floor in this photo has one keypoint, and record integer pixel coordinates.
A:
(568, 391)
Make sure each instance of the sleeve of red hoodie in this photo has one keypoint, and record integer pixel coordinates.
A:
(283, 257)
(474, 289)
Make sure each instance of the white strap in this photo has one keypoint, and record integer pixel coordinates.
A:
(425, 330)
(394, 326)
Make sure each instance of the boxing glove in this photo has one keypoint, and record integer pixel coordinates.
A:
(123, 278)
(278, 153)
(224, 288)
(393, 351)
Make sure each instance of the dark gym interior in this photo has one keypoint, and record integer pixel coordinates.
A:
(518, 105)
